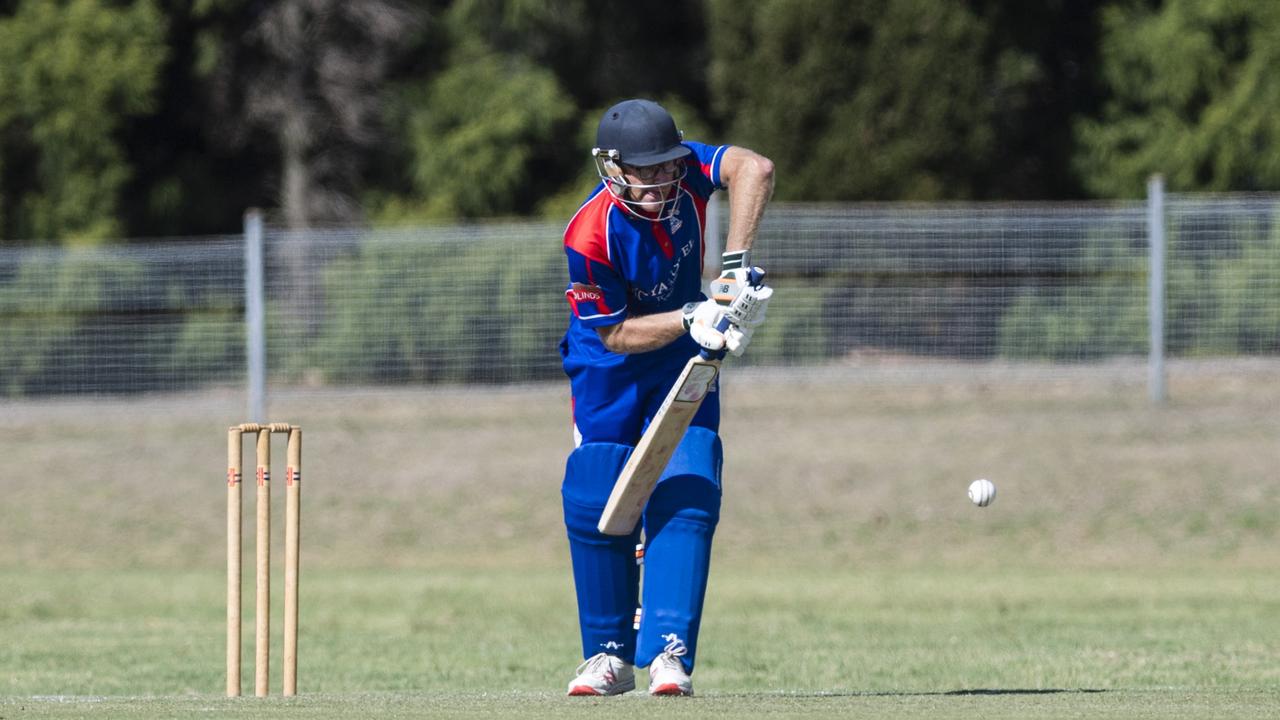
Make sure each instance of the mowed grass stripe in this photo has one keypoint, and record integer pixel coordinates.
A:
(1018, 705)
(809, 640)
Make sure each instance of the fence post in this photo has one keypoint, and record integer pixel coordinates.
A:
(1156, 289)
(255, 317)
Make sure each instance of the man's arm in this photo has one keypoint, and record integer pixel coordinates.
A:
(749, 177)
(642, 333)
(701, 320)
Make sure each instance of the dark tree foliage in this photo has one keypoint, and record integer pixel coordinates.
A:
(1032, 158)
(332, 111)
(1190, 90)
(189, 179)
(537, 73)
(600, 51)
(71, 74)
(310, 73)
(902, 99)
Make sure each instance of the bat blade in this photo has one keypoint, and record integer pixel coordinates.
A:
(647, 462)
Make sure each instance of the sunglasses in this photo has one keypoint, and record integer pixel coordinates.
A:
(650, 172)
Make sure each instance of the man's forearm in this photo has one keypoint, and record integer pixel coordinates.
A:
(750, 188)
(643, 333)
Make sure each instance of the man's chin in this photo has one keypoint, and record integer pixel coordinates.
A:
(650, 205)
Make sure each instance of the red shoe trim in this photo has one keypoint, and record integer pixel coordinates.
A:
(580, 690)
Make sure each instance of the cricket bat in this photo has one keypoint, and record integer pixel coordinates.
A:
(635, 484)
(647, 462)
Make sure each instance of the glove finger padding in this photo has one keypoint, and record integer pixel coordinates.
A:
(702, 319)
(748, 309)
(737, 339)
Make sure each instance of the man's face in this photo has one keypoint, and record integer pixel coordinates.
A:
(654, 181)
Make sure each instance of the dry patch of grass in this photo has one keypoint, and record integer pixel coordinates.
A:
(817, 470)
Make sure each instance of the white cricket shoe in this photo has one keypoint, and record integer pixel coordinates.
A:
(666, 672)
(603, 674)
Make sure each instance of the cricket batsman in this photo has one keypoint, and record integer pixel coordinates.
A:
(635, 250)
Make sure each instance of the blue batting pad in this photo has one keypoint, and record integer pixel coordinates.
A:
(679, 523)
(605, 574)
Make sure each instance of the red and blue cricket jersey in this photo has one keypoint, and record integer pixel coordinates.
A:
(621, 265)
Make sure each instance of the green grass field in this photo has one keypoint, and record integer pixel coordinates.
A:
(1128, 568)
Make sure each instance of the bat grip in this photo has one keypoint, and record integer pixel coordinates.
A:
(755, 276)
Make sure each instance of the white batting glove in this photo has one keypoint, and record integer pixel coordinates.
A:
(748, 309)
(745, 315)
(736, 273)
(701, 319)
(737, 339)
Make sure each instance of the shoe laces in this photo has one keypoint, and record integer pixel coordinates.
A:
(674, 650)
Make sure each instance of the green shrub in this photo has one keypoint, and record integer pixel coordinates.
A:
(454, 311)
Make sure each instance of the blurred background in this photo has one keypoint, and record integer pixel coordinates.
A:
(964, 181)
(1030, 241)
(257, 210)
(149, 118)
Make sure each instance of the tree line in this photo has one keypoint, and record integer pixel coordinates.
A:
(145, 118)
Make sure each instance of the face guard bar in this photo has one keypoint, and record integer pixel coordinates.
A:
(609, 168)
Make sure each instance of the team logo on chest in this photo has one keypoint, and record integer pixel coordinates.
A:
(666, 285)
(676, 223)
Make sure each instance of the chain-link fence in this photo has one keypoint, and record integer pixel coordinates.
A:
(864, 291)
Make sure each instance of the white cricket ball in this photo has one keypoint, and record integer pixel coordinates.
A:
(982, 492)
